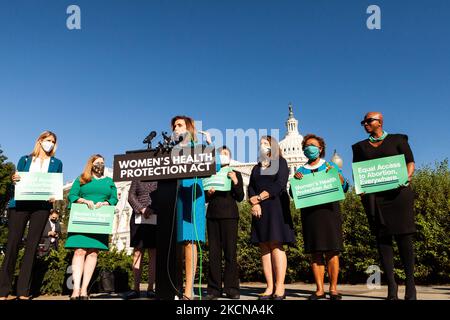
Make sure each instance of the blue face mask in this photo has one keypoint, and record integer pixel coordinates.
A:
(311, 152)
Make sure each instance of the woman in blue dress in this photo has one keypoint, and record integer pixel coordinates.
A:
(191, 213)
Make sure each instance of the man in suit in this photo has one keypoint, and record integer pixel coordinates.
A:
(51, 233)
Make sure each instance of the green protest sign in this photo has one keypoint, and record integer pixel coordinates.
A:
(380, 174)
(39, 186)
(219, 181)
(317, 188)
(84, 220)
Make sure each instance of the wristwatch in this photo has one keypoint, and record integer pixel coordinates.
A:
(258, 197)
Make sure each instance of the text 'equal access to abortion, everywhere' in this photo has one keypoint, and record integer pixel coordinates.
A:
(380, 174)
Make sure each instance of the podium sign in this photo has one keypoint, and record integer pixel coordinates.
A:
(180, 163)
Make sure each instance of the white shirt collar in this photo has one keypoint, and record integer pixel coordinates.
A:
(38, 165)
(314, 167)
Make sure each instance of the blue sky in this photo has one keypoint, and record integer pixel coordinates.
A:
(232, 64)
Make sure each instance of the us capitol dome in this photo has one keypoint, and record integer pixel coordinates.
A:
(291, 145)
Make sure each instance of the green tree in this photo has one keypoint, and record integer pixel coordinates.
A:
(6, 170)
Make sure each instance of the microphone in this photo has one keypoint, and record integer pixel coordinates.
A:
(166, 137)
(174, 142)
(150, 137)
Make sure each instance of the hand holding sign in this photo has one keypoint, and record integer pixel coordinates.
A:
(219, 181)
(40, 186)
(15, 177)
(233, 177)
(315, 189)
(380, 174)
(85, 220)
(298, 175)
(329, 167)
(90, 204)
(101, 204)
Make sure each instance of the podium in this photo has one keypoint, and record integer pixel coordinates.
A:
(169, 277)
(166, 168)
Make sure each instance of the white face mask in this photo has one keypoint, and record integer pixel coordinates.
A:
(265, 150)
(47, 146)
(224, 160)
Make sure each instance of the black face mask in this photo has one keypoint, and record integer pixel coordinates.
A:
(98, 168)
(54, 220)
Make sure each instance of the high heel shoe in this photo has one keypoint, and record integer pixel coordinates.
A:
(335, 296)
(265, 297)
(277, 297)
(315, 296)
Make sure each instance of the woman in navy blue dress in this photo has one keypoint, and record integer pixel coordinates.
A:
(272, 225)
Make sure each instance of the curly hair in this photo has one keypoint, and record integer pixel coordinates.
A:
(321, 143)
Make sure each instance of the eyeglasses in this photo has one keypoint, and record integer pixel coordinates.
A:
(368, 121)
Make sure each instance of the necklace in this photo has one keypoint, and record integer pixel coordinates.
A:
(374, 140)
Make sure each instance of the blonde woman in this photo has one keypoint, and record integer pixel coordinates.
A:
(35, 213)
(95, 190)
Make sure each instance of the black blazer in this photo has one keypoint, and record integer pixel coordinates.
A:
(46, 240)
(222, 204)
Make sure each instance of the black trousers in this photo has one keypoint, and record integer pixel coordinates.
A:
(406, 251)
(222, 237)
(17, 222)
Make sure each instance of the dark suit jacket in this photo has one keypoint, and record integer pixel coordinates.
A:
(222, 204)
(46, 240)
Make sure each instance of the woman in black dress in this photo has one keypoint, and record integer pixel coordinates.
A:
(272, 225)
(390, 213)
(142, 234)
(322, 224)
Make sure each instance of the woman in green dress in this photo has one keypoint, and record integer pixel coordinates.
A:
(95, 190)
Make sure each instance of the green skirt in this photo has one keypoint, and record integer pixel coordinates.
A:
(87, 241)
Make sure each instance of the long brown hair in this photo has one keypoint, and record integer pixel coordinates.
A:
(86, 176)
(37, 145)
(190, 125)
